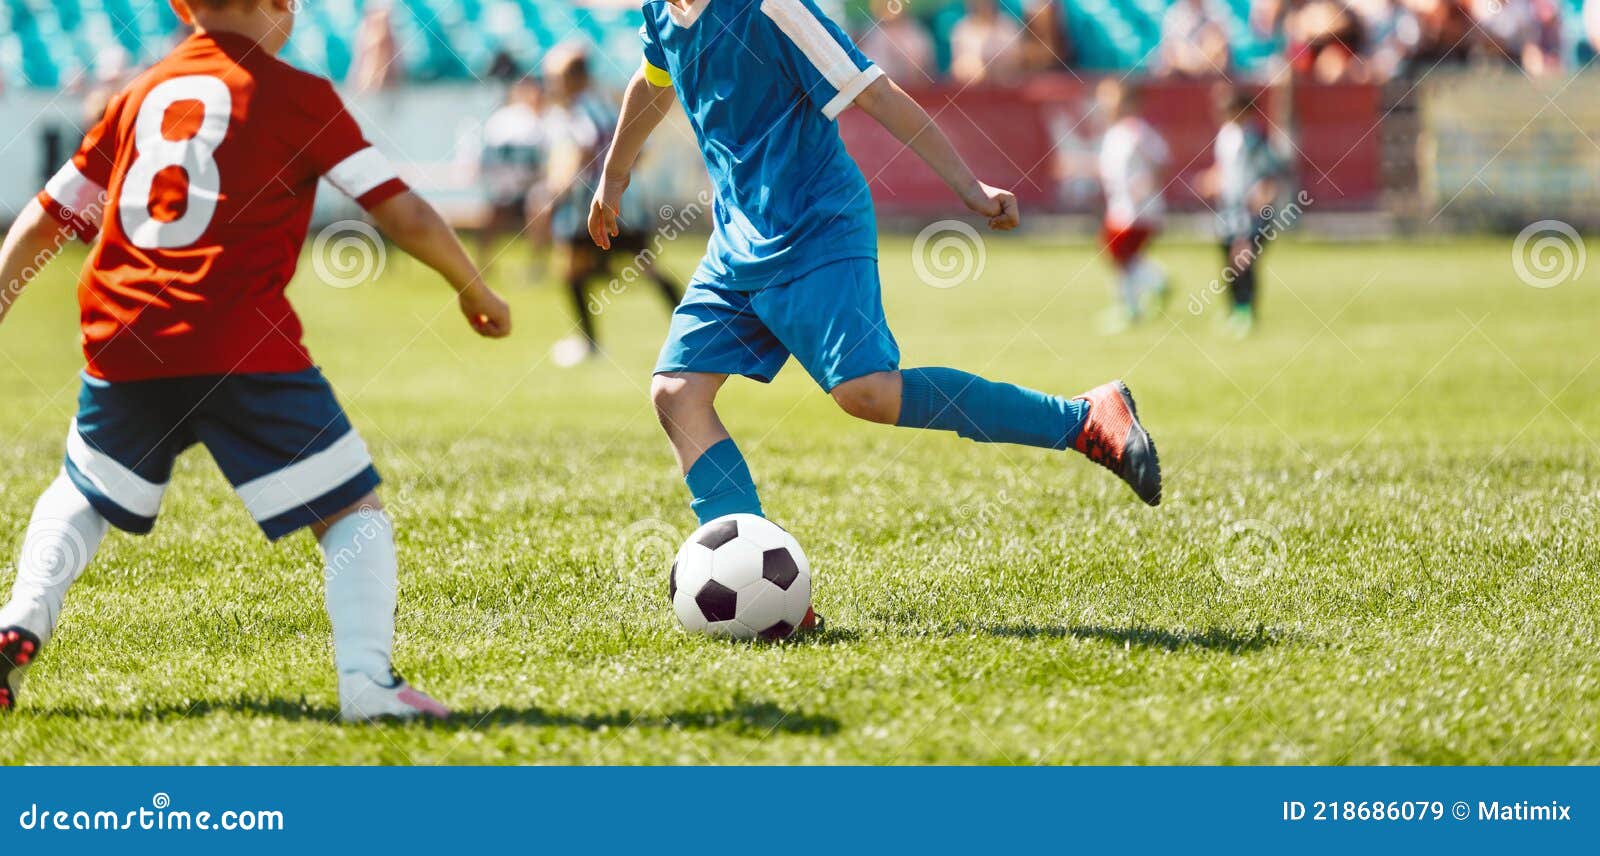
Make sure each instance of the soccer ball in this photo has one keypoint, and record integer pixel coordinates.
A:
(741, 576)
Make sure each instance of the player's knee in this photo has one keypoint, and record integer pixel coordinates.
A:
(677, 396)
(369, 504)
(874, 397)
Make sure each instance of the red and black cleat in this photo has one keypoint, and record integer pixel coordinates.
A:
(812, 623)
(18, 647)
(1113, 438)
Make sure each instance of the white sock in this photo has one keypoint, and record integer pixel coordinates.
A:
(1147, 276)
(62, 537)
(361, 576)
(1128, 289)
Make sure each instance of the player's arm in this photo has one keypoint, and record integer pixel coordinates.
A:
(903, 117)
(644, 104)
(30, 244)
(416, 227)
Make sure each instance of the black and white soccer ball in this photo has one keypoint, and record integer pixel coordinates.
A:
(741, 576)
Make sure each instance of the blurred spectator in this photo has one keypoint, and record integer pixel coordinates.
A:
(1591, 24)
(377, 56)
(1443, 31)
(1326, 43)
(1390, 36)
(1046, 44)
(511, 169)
(899, 45)
(985, 45)
(1510, 31)
(1193, 41)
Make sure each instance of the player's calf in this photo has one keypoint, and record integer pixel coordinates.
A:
(362, 583)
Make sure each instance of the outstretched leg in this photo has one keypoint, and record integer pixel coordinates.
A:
(62, 537)
(1102, 423)
(362, 581)
(718, 478)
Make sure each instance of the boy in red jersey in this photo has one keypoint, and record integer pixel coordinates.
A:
(199, 183)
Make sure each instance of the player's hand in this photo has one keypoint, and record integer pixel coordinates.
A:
(489, 316)
(1000, 206)
(603, 211)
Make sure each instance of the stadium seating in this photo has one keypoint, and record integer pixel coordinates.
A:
(51, 43)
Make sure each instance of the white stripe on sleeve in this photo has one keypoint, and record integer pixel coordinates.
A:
(359, 173)
(851, 91)
(307, 479)
(832, 61)
(73, 191)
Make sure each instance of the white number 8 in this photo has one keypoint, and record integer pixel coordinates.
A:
(195, 155)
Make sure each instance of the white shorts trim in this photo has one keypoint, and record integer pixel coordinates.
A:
(115, 482)
(306, 480)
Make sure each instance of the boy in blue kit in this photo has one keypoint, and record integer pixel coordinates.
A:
(791, 268)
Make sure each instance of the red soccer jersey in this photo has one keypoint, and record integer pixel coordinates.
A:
(200, 181)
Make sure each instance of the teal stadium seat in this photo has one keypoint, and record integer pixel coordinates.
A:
(50, 43)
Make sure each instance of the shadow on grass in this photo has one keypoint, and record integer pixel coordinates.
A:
(1215, 639)
(757, 719)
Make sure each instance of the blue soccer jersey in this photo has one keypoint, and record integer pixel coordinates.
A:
(763, 83)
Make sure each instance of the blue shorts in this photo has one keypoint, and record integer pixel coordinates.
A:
(282, 440)
(830, 319)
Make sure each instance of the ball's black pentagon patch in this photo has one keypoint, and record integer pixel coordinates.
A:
(717, 602)
(781, 630)
(672, 582)
(779, 568)
(718, 534)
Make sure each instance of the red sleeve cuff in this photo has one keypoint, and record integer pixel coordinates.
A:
(83, 230)
(382, 193)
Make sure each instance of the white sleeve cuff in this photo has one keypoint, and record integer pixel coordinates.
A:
(361, 172)
(851, 91)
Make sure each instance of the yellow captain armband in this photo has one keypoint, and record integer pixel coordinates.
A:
(657, 76)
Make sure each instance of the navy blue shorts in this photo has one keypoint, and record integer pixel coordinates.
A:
(830, 319)
(282, 440)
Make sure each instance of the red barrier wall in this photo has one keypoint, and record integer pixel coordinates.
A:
(1041, 140)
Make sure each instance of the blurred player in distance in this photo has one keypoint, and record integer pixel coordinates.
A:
(199, 183)
(1133, 166)
(791, 268)
(1244, 182)
(511, 169)
(581, 128)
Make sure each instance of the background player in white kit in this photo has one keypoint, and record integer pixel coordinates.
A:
(1133, 165)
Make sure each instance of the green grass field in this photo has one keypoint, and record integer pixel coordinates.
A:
(1377, 544)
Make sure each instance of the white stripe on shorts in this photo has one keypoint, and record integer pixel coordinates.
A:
(123, 486)
(306, 480)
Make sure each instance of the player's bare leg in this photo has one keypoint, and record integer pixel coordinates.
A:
(62, 537)
(361, 585)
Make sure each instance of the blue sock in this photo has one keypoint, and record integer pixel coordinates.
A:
(720, 484)
(988, 412)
